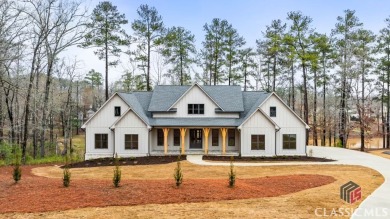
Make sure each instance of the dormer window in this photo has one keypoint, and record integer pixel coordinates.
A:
(117, 111)
(195, 108)
(272, 111)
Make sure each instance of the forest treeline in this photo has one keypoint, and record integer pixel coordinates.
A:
(338, 82)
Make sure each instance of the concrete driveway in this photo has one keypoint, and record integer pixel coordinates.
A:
(377, 205)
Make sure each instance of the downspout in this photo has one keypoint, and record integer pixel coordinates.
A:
(114, 140)
(85, 143)
(276, 130)
(239, 130)
(149, 140)
(305, 143)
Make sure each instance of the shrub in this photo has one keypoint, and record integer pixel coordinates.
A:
(117, 172)
(17, 173)
(232, 174)
(338, 143)
(67, 174)
(178, 175)
(7, 155)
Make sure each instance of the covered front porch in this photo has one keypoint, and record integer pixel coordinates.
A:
(224, 141)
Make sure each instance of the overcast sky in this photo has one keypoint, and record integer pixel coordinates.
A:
(249, 17)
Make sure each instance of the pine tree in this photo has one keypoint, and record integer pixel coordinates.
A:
(148, 30)
(179, 46)
(105, 33)
(345, 28)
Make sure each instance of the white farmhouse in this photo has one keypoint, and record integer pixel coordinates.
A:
(195, 119)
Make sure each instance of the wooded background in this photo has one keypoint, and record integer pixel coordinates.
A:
(338, 83)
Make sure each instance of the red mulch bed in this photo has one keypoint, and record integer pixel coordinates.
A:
(39, 194)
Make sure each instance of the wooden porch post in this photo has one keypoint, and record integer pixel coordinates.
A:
(183, 134)
(166, 131)
(206, 143)
(223, 132)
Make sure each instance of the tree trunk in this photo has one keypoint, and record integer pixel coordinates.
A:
(274, 75)
(181, 70)
(383, 116)
(46, 103)
(77, 107)
(362, 117)
(28, 97)
(292, 87)
(148, 67)
(245, 79)
(1, 119)
(315, 111)
(324, 104)
(388, 105)
(305, 100)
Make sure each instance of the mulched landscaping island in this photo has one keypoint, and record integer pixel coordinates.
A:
(267, 159)
(39, 194)
(150, 160)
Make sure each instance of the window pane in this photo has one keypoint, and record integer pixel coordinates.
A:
(160, 137)
(176, 137)
(131, 142)
(272, 111)
(101, 141)
(201, 109)
(253, 146)
(231, 137)
(262, 138)
(215, 137)
(117, 110)
(254, 138)
(189, 108)
(290, 141)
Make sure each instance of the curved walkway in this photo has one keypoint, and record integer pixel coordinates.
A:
(376, 205)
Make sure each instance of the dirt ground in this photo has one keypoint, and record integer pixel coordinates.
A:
(301, 203)
(380, 153)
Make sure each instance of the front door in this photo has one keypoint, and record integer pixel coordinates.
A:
(196, 138)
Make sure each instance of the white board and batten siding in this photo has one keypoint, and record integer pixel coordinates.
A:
(100, 124)
(195, 96)
(131, 124)
(258, 124)
(289, 123)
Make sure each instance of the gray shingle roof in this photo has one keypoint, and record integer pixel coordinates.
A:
(252, 101)
(230, 97)
(138, 101)
(164, 96)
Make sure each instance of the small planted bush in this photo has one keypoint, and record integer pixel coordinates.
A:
(117, 172)
(66, 173)
(232, 174)
(17, 173)
(178, 175)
